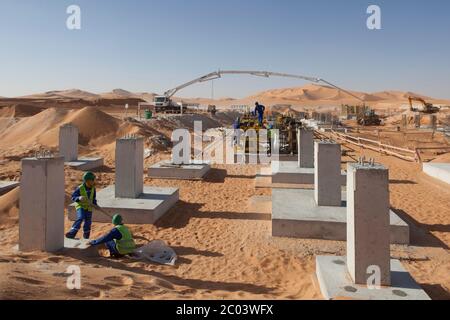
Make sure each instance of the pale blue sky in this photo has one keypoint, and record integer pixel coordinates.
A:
(155, 45)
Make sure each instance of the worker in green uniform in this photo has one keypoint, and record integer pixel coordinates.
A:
(85, 199)
(119, 240)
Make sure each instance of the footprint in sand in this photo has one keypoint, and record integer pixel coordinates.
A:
(101, 287)
(54, 259)
(161, 283)
(29, 280)
(120, 280)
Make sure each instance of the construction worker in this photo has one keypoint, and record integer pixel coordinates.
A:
(85, 198)
(259, 111)
(119, 240)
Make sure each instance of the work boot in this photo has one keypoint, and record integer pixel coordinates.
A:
(70, 235)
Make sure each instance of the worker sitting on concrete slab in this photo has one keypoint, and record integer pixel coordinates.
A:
(85, 198)
(259, 110)
(119, 240)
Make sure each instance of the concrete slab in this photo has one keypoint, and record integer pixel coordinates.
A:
(264, 172)
(168, 170)
(289, 172)
(335, 282)
(288, 157)
(6, 186)
(85, 163)
(41, 213)
(295, 214)
(260, 204)
(251, 159)
(80, 247)
(129, 167)
(439, 171)
(147, 208)
(263, 182)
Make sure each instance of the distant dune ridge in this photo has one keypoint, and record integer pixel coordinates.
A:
(309, 95)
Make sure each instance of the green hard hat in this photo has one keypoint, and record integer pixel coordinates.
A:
(88, 176)
(117, 219)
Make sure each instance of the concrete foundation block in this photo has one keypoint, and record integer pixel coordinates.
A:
(68, 142)
(288, 157)
(6, 186)
(41, 214)
(79, 247)
(251, 159)
(368, 221)
(147, 208)
(439, 171)
(264, 171)
(336, 283)
(260, 204)
(305, 143)
(295, 214)
(288, 172)
(129, 167)
(168, 170)
(327, 173)
(85, 163)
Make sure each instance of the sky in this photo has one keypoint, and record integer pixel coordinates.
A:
(155, 45)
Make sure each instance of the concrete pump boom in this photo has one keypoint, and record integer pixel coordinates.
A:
(266, 74)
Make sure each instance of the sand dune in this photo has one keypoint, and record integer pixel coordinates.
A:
(20, 110)
(71, 94)
(43, 128)
(9, 208)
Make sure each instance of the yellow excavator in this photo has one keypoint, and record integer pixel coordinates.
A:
(427, 107)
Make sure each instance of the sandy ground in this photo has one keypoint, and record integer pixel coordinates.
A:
(222, 239)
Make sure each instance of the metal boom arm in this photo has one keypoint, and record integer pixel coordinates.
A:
(266, 74)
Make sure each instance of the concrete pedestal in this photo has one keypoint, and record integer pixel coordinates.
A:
(335, 282)
(6, 186)
(327, 173)
(138, 204)
(367, 272)
(129, 167)
(147, 208)
(41, 214)
(368, 221)
(168, 170)
(295, 214)
(68, 142)
(68, 148)
(305, 143)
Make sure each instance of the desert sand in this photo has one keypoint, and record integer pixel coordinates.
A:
(223, 239)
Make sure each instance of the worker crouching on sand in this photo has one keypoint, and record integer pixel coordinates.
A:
(119, 240)
(85, 198)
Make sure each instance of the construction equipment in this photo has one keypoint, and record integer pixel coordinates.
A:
(427, 107)
(369, 118)
(165, 103)
(212, 109)
(287, 126)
